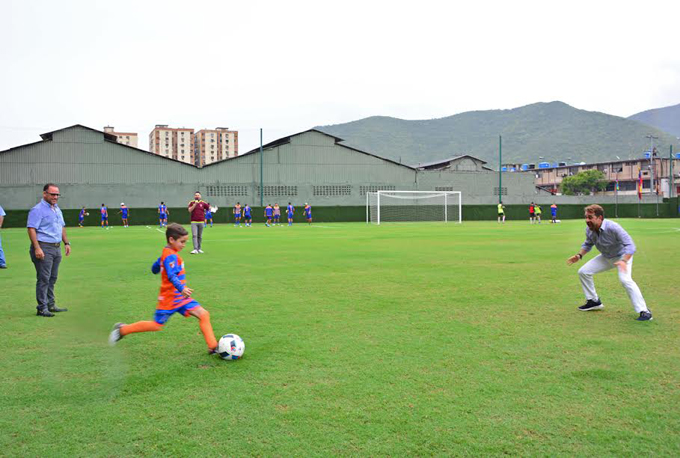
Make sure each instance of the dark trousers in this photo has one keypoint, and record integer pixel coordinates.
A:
(47, 270)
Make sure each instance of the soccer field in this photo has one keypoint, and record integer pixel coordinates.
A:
(402, 339)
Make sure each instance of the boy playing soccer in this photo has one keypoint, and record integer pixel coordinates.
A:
(308, 213)
(268, 212)
(175, 295)
(277, 213)
(163, 213)
(105, 216)
(237, 214)
(124, 214)
(291, 211)
(81, 216)
(247, 215)
(208, 217)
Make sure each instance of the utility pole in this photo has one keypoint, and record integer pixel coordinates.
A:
(261, 172)
(500, 169)
(652, 166)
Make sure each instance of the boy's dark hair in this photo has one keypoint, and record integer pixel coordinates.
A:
(175, 231)
(47, 186)
(162, 203)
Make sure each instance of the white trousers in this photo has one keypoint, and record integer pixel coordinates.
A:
(599, 264)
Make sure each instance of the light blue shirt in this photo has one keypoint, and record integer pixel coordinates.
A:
(612, 240)
(48, 222)
(2, 212)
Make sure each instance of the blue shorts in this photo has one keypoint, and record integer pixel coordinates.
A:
(247, 216)
(237, 215)
(163, 216)
(290, 215)
(105, 218)
(208, 216)
(162, 316)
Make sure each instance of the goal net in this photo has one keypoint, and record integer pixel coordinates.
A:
(410, 206)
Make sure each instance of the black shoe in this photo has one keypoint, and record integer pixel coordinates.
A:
(3, 267)
(645, 316)
(591, 305)
(43, 312)
(55, 309)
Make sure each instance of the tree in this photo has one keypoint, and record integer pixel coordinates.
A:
(584, 182)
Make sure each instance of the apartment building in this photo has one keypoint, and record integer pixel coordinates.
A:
(626, 172)
(213, 145)
(126, 138)
(174, 143)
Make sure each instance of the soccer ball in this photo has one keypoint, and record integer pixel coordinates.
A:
(231, 347)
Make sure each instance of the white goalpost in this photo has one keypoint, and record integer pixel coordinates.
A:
(412, 206)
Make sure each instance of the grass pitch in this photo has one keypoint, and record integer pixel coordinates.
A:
(411, 339)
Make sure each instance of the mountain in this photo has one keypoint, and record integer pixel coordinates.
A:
(555, 131)
(666, 119)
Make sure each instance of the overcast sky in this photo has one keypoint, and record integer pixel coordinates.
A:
(288, 65)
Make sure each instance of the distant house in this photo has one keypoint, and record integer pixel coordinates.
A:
(464, 163)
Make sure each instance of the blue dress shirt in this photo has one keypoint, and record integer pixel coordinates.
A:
(48, 222)
(612, 240)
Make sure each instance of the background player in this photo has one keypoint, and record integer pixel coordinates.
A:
(538, 211)
(290, 210)
(237, 214)
(553, 212)
(247, 215)
(268, 212)
(124, 214)
(174, 296)
(81, 216)
(308, 213)
(501, 213)
(105, 216)
(532, 213)
(163, 213)
(277, 214)
(208, 216)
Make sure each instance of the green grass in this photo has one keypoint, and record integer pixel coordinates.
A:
(414, 339)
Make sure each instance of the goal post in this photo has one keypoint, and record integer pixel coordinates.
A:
(413, 206)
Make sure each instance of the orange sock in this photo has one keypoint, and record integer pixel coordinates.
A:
(140, 326)
(207, 330)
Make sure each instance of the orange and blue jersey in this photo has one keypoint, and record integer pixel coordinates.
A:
(291, 210)
(162, 210)
(173, 282)
(124, 211)
(105, 213)
(82, 214)
(308, 211)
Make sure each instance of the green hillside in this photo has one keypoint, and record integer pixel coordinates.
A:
(554, 131)
(666, 119)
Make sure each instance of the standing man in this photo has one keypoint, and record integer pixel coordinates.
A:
(501, 213)
(532, 214)
(268, 212)
(81, 216)
(553, 212)
(277, 213)
(197, 208)
(46, 230)
(616, 250)
(538, 211)
(308, 213)
(3, 263)
(247, 215)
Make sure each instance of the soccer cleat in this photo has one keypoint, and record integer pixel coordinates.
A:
(212, 351)
(591, 305)
(201, 251)
(193, 252)
(44, 312)
(115, 335)
(645, 316)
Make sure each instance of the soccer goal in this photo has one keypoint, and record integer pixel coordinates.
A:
(411, 206)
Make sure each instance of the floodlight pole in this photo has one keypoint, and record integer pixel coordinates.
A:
(261, 172)
(652, 168)
(500, 169)
(671, 184)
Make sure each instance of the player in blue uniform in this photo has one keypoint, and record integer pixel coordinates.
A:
(124, 214)
(268, 212)
(208, 217)
(81, 216)
(277, 214)
(105, 216)
(308, 213)
(247, 215)
(163, 213)
(237, 214)
(291, 211)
